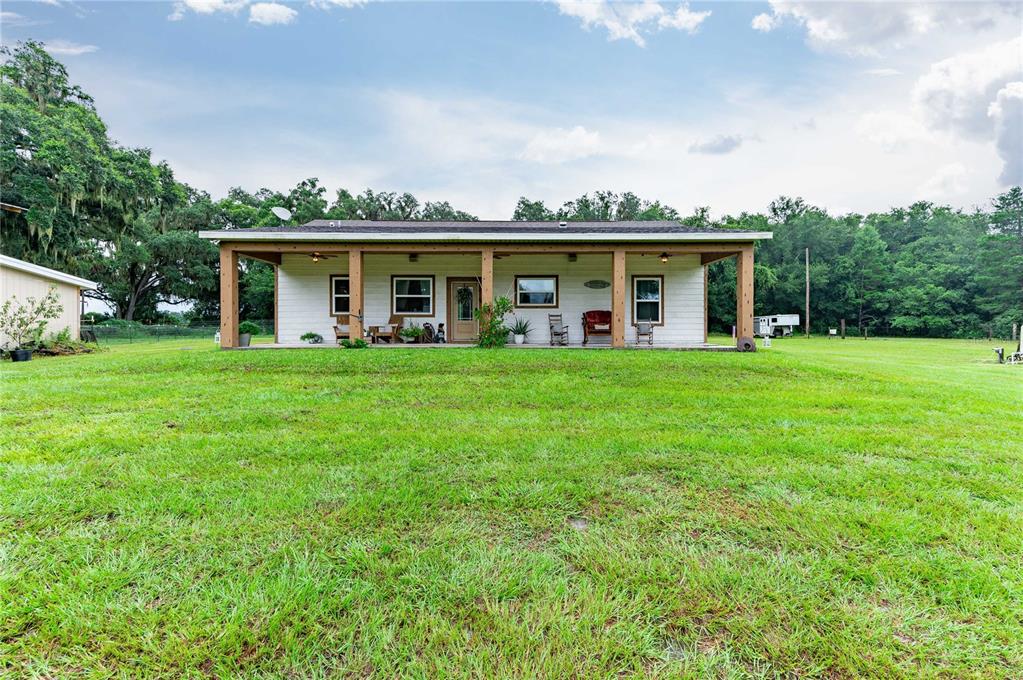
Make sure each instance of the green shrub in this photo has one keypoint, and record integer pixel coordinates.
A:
(249, 328)
(493, 332)
(312, 338)
(412, 332)
(358, 343)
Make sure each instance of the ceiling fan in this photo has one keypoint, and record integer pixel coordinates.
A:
(317, 256)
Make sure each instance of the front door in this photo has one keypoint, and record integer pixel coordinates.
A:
(463, 301)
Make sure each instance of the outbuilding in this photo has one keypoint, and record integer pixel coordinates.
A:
(22, 280)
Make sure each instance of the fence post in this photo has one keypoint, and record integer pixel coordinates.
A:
(841, 325)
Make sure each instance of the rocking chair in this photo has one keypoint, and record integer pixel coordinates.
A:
(645, 332)
(559, 331)
(343, 328)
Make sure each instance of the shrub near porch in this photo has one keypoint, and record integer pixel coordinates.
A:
(820, 508)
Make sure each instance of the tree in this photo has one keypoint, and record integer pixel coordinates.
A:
(870, 274)
(54, 155)
(531, 211)
(443, 212)
(144, 266)
(391, 206)
(306, 201)
(1000, 265)
(607, 206)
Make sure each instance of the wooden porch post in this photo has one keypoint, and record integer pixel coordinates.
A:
(487, 277)
(355, 310)
(744, 293)
(618, 298)
(228, 297)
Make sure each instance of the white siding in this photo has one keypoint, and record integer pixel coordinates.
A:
(303, 293)
(21, 285)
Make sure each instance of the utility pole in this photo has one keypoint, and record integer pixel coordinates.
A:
(807, 293)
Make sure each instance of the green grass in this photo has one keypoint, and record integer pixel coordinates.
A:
(822, 509)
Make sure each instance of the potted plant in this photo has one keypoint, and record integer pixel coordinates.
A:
(312, 338)
(411, 333)
(246, 329)
(24, 323)
(520, 329)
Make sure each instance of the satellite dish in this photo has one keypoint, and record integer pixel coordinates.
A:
(283, 213)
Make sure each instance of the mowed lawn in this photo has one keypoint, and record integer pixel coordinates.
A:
(820, 509)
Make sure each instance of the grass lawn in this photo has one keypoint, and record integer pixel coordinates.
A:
(823, 508)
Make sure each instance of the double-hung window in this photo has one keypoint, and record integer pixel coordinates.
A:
(648, 299)
(340, 295)
(412, 295)
(536, 291)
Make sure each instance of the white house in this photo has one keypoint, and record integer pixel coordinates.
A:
(365, 275)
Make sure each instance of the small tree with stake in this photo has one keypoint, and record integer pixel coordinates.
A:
(25, 322)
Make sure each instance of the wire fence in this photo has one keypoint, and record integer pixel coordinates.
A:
(130, 331)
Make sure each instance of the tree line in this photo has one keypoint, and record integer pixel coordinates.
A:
(114, 215)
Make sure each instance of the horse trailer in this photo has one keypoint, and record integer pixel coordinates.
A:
(777, 326)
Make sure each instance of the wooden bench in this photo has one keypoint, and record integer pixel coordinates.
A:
(596, 322)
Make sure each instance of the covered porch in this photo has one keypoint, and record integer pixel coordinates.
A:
(373, 273)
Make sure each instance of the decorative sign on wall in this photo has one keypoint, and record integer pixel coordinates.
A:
(596, 283)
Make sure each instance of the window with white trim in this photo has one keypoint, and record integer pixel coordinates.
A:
(648, 299)
(536, 291)
(412, 295)
(340, 295)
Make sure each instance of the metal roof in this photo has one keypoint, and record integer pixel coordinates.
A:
(46, 272)
(350, 230)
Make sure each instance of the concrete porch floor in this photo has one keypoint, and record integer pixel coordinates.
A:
(702, 347)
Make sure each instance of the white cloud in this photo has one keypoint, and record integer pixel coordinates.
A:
(883, 72)
(891, 130)
(10, 19)
(328, 4)
(206, 7)
(560, 145)
(1007, 113)
(213, 6)
(868, 28)
(271, 14)
(956, 92)
(631, 20)
(977, 94)
(948, 181)
(266, 13)
(683, 19)
(719, 145)
(67, 48)
(765, 22)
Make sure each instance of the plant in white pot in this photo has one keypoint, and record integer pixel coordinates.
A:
(25, 322)
(411, 333)
(520, 329)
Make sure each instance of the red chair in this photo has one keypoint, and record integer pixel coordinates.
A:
(596, 322)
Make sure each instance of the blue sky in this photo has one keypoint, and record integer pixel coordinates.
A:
(852, 106)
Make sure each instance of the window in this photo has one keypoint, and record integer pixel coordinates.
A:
(536, 291)
(339, 295)
(647, 299)
(465, 302)
(412, 295)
